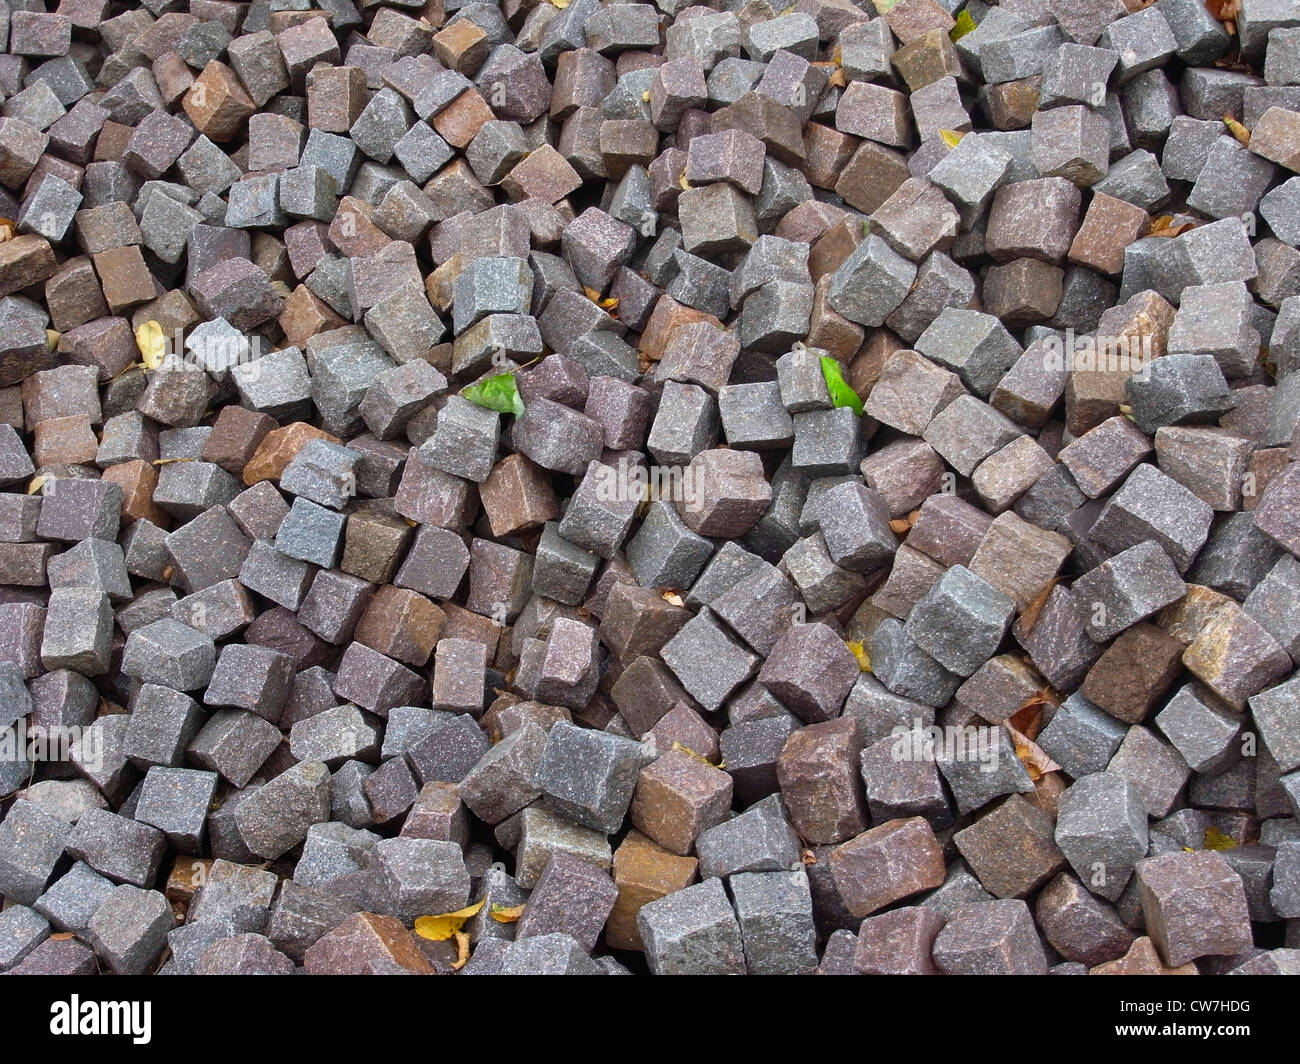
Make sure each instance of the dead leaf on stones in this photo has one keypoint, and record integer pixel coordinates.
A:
(1237, 130)
(860, 654)
(462, 951)
(1164, 226)
(1028, 719)
(1224, 10)
(1217, 840)
(443, 926)
(506, 914)
(1031, 755)
(678, 745)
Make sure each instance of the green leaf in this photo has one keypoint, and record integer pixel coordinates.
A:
(964, 26)
(841, 393)
(496, 393)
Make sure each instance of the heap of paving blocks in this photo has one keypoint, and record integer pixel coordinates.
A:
(756, 489)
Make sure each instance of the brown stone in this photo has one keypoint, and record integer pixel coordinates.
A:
(367, 944)
(1184, 619)
(1012, 104)
(677, 797)
(25, 260)
(898, 942)
(1109, 226)
(353, 232)
(459, 122)
(517, 495)
(138, 479)
(1011, 849)
(124, 278)
(1264, 465)
(279, 447)
(185, 879)
(64, 440)
(542, 174)
(462, 46)
(373, 545)
(1142, 959)
(401, 624)
(304, 315)
(217, 102)
(667, 316)
(890, 862)
(820, 783)
(336, 96)
(235, 437)
(828, 151)
(1134, 673)
(643, 872)
(74, 296)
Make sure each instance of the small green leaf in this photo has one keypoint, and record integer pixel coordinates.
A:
(496, 393)
(841, 393)
(964, 26)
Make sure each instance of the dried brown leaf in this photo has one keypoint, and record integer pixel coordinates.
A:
(1031, 755)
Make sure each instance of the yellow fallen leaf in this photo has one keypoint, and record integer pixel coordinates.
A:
(561, 4)
(127, 369)
(1031, 755)
(1224, 10)
(1237, 130)
(950, 137)
(8, 230)
(52, 338)
(506, 914)
(837, 79)
(1217, 840)
(808, 857)
(645, 97)
(152, 342)
(837, 57)
(608, 303)
(36, 484)
(860, 653)
(443, 926)
(462, 951)
(169, 461)
(672, 597)
(1028, 719)
(678, 745)
(591, 293)
(681, 181)
(1164, 226)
